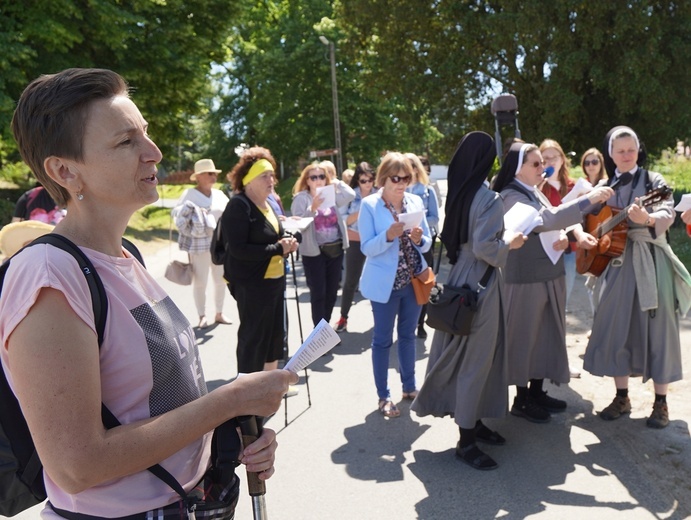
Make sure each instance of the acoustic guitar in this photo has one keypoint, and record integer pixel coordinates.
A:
(610, 228)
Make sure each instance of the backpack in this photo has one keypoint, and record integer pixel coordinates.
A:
(21, 471)
(218, 245)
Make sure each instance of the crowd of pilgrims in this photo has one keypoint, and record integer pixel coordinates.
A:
(518, 335)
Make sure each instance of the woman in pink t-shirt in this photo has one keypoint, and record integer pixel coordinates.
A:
(87, 144)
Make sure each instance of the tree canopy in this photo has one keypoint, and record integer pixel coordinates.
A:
(212, 75)
(163, 48)
(577, 67)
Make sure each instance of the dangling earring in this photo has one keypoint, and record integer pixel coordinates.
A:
(80, 196)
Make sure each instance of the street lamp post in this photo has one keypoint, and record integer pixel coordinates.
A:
(334, 95)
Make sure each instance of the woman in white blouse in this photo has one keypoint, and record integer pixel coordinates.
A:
(196, 214)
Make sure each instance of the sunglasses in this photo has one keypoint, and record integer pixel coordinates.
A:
(319, 177)
(537, 163)
(365, 181)
(594, 162)
(400, 178)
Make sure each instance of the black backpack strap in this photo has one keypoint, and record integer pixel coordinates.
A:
(99, 299)
(99, 303)
(110, 421)
(133, 250)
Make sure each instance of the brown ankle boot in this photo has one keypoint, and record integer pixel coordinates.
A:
(616, 409)
(660, 417)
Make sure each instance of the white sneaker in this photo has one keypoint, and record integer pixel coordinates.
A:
(574, 372)
(292, 390)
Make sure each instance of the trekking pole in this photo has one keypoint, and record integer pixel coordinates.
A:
(302, 339)
(251, 428)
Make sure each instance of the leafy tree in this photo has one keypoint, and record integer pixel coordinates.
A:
(275, 89)
(163, 48)
(577, 67)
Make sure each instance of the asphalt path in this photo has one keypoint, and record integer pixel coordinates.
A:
(339, 458)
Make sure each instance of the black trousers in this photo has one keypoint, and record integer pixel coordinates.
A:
(354, 262)
(323, 274)
(260, 335)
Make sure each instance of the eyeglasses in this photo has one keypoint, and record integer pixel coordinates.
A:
(398, 178)
(319, 177)
(365, 181)
(594, 162)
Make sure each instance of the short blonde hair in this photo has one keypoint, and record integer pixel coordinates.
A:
(391, 165)
(419, 171)
(329, 168)
(301, 183)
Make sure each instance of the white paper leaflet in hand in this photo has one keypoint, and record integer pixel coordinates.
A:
(328, 193)
(522, 217)
(322, 339)
(684, 203)
(411, 220)
(293, 224)
(581, 187)
(547, 239)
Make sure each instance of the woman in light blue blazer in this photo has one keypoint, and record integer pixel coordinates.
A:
(393, 256)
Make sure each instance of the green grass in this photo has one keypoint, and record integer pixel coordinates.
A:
(681, 244)
(149, 223)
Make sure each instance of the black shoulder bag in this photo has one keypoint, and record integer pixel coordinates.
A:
(452, 309)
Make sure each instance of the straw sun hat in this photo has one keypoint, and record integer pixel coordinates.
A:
(203, 166)
(16, 235)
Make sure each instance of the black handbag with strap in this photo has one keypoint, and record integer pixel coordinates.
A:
(452, 309)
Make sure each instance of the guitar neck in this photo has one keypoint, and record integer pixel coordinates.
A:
(613, 222)
(658, 194)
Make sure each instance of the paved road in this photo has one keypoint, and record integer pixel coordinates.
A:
(340, 459)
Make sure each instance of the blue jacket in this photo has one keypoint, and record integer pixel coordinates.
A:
(429, 199)
(381, 260)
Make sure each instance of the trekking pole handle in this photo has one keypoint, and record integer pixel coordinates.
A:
(251, 428)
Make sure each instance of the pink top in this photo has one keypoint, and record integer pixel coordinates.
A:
(149, 364)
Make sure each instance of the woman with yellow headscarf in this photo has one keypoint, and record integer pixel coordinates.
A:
(254, 267)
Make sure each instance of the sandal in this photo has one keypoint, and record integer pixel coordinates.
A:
(410, 395)
(388, 409)
(484, 434)
(475, 457)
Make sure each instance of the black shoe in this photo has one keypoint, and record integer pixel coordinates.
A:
(549, 403)
(421, 332)
(527, 409)
(475, 457)
(484, 434)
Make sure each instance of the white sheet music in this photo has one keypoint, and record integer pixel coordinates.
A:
(297, 224)
(322, 339)
(522, 217)
(581, 187)
(547, 239)
(411, 220)
(328, 193)
(684, 203)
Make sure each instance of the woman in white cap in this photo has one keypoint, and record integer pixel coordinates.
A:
(196, 214)
(640, 294)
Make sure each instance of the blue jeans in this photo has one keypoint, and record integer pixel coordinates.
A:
(402, 303)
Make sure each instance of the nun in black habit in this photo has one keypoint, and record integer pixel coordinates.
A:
(466, 375)
(535, 287)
